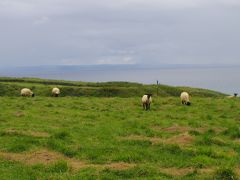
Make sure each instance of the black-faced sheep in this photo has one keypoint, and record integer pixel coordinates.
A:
(27, 92)
(146, 101)
(185, 98)
(234, 96)
(55, 92)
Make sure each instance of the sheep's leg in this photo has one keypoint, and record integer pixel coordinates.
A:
(149, 106)
(146, 106)
(182, 102)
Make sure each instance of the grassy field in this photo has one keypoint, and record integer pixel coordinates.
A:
(113, 138)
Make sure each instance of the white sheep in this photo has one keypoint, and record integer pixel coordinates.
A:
(27, 92)
(146, 101)
(185, 98)
(55, 92)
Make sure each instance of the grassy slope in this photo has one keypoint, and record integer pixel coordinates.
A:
(41, 87)
(103, 131)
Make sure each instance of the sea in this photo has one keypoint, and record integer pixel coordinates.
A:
(224, 79)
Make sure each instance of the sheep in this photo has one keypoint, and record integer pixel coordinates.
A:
(234, 96)
(55, 92)
(27, 92)
(185, 98)
(146, 101)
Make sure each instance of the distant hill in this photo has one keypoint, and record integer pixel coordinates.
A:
(42, 87)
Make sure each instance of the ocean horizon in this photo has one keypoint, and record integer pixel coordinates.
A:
(219, 78)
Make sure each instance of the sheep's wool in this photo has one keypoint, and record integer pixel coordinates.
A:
(26, 92)
(184, 97)
(145, 99)
(56, 91)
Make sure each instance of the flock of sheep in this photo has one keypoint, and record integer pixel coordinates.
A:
(28, 93)
(146, 99)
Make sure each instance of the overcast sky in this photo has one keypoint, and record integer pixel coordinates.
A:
(75, 32)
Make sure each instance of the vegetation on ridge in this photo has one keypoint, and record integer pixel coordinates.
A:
(41, 87)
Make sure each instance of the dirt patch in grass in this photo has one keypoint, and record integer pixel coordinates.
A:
(39, 157)
(237, 171)
(47, 157)
(179, 129)
(27, 133)
(19, 114)
(176, 129)
(237, 141)
(218, 129)
(173, 171)
(206, 171)
(181, 139)
(119, 166)
(153, 140)
(183, 129)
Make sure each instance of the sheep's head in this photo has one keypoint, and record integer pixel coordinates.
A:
(188, 103)
(235, 94)
(33, 95)
(149, 95)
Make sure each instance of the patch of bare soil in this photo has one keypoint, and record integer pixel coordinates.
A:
(27, 133)
(176, 129)
(119, 166)
(178, 172)
(19, 114)
(219, 129)
(206, 170)
(237, 141)
(237, 171)
(49, 157)
(153, 140)
(182, 139)
(179, 129)
(183, 129)
(39, 157)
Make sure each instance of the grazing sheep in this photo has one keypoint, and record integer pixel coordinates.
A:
(234, 95)
(146, 101)
(185, 98)
(27, 92)
(55, 92)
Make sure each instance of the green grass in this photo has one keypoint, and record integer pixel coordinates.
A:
(101, 132)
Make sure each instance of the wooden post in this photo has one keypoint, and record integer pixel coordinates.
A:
(157, 87)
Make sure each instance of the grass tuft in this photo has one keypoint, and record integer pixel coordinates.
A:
(225, 173)
(59, 167)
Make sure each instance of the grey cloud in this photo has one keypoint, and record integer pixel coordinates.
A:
(128, 31)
